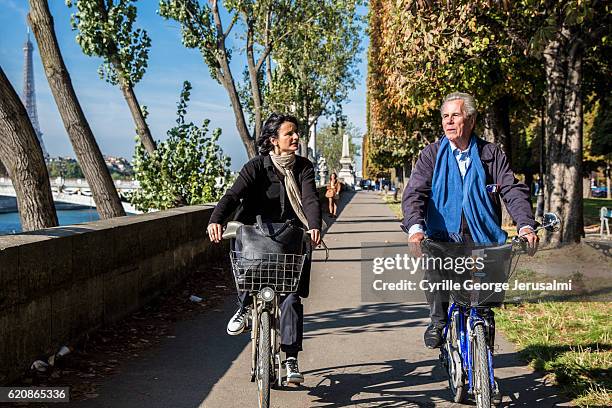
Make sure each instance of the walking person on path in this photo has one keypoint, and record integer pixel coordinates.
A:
(279, 186)
(453, 195)
(333, 194)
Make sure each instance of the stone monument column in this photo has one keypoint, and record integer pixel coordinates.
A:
(312, 143)
(323, 171)
(346, 173)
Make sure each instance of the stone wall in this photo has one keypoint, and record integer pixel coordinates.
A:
(59, 283)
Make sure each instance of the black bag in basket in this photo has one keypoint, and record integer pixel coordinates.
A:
(255, 243)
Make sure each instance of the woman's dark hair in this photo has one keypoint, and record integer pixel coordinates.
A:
(270, 130)
(333, 174)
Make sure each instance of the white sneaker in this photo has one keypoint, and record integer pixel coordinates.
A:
(238, 321)
(293, 372)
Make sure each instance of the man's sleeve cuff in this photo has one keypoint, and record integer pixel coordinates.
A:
(525, 229)
(413, 229)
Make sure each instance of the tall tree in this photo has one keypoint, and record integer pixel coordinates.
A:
(83, 142)
(315, 67)
(431, 48)
(106, 29)
(204, 28)
(265, 24)
(23, 156)
(563, 34)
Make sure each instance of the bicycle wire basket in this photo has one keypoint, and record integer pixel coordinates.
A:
(280, 272)
(497, 270)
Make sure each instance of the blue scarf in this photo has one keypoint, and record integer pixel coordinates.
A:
(451, 196)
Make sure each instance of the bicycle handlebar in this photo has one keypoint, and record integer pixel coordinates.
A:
(436, 247)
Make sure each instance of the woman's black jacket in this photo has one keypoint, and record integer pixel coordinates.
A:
(262, 192)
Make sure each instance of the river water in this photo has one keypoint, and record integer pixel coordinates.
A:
(10, 224)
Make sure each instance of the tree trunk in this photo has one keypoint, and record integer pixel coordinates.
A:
(497, 125)
(23, 156)
(497, 130)
(563, 63)
(254, 81)
(269, 70)
(608, 178)
(83, 142)
(144, 133)
(142, 129)
(226, 78)
(303, 147)
(249, 142)
(529, 180)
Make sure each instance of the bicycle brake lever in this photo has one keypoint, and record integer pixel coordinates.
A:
(231, 229)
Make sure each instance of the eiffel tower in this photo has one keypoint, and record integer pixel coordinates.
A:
(29, 94)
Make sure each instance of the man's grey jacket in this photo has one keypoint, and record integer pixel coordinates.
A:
(514, 194)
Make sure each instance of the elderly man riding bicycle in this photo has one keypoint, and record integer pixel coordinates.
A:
(454, 195)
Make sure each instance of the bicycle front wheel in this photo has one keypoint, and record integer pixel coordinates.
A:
(482, 384)
(454, 368)
(264, 360)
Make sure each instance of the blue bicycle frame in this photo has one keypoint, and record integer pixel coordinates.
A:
(464, 332)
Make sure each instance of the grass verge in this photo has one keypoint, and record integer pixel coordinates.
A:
(395, 205)
(569, 340)
(591, 209)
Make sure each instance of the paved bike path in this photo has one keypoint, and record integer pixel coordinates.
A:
(355, 354)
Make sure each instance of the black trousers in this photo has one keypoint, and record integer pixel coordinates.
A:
(291, 320)
(291, 308)
(439, 300)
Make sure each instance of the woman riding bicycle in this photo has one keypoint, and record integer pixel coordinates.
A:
(279, 186)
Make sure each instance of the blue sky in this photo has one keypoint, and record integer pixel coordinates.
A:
(170, 63)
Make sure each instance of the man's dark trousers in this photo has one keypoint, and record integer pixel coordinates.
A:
(439, 300)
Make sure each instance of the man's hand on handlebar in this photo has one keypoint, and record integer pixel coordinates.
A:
(414, 241)
(315, 236)
(214, 232)
(532, 241)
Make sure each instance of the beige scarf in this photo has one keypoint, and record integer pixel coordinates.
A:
(284, 164)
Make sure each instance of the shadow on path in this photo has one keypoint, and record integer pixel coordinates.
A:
(401, 383)
(371, 317)
(181, 372)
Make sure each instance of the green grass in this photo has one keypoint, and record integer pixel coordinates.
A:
(570, 340)
(592, 207)
(395, 205)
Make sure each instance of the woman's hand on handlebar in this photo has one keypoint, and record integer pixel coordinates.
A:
(214, 232)
(315, 236)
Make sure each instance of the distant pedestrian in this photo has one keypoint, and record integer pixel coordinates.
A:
(333, 195)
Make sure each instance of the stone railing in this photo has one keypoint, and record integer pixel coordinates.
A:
(59, 283)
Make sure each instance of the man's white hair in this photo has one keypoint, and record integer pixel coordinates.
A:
(469, 103)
